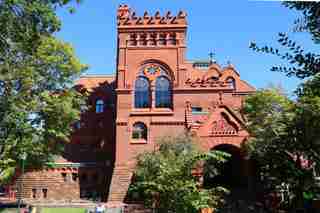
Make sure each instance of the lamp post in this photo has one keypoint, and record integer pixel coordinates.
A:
(22, 157)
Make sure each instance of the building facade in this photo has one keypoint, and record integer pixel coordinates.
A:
(155, 92)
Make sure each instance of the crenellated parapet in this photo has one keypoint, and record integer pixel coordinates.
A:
(128, 19)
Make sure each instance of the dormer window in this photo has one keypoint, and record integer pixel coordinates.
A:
(99, 106)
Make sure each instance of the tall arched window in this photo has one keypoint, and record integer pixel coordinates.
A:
(232, 82)
(142, 93)
(99, 106)
(139, 131)
(163, 92)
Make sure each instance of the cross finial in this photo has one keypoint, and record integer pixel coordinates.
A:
(211, 54)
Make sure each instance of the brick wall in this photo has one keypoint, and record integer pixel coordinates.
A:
(63, 184)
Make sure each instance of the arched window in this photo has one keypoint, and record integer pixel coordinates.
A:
(232, 82)
(142, 93)
(99, 106)
(163, 92)
(139, 131)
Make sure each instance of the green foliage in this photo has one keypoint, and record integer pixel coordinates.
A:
(286, 142)
(37, 102)
(309, 21)
(285, 135)
(302, 64)
(164, 180)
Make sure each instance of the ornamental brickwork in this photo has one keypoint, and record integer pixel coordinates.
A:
(155, 92)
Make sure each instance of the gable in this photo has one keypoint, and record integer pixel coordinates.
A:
(220, 121)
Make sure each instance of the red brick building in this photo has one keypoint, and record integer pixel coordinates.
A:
(154, 92)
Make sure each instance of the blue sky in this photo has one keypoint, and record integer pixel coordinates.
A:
(225, 27)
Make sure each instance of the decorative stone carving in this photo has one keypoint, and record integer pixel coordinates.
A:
(223, 127)
(128, 17)
(210, 82)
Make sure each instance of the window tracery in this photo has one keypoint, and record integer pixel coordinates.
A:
(142, 93)
(163, 92)
(153, 81)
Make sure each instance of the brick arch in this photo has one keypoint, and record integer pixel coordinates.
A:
(228, 147)
(232, 171)
(209, 143)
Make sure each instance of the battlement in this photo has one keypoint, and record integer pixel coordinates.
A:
(128, 19)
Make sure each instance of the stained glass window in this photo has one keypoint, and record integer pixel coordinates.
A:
(163, 92)
(139, 131)
(142, 93)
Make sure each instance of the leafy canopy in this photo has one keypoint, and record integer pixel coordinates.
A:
(285, 134)
(164, 179)
(37, 102)
(302, 63)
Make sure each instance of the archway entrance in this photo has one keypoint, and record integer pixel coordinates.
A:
(232, 173)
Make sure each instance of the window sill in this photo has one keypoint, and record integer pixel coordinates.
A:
(153, 111)
(138, 141)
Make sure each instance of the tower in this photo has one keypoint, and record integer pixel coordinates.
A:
(150, 65)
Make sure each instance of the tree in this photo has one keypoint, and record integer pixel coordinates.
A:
(164, 180)
(37, 102)
(303, 64)
(284, 136)
(287, 137)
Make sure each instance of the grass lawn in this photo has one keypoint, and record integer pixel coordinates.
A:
(63, 210)
(48, 210)
(8, 210)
